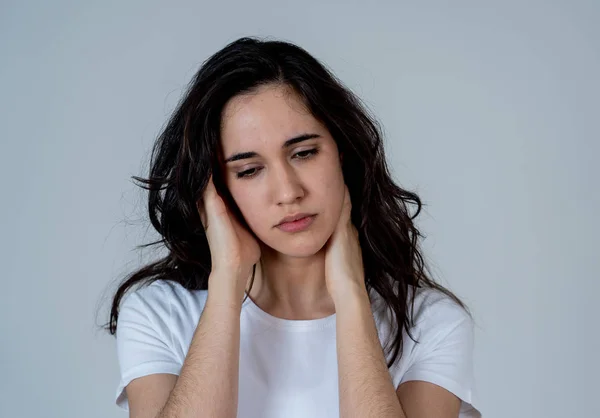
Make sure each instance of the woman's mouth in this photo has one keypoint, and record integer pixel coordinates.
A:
(297, 225)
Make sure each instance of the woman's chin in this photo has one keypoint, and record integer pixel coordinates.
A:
(307, 248)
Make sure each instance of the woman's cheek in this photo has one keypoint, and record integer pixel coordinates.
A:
(252, 214)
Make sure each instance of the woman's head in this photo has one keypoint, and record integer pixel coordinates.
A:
(251, 97)
(279, 160)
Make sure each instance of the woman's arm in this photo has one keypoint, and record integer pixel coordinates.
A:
(208, 383)
(365, 385)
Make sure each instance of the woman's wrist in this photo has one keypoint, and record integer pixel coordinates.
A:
(225, 290)
(349, 295)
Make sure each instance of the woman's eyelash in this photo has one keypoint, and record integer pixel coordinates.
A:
(244, 174)
(309, 153)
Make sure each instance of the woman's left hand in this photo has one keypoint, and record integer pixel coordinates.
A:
(344, 271)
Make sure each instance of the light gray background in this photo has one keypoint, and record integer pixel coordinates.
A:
(491, 112)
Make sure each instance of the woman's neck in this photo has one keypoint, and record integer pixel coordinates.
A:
(292, 287)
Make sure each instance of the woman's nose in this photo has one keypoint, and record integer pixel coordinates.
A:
(287, 185)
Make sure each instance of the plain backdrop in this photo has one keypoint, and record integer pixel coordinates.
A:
(491, 112)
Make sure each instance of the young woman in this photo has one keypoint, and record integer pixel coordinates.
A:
(293, 284)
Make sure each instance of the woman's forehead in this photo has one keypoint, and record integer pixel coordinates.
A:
(265, 118)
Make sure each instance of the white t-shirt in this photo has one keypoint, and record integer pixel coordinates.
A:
(288, 368)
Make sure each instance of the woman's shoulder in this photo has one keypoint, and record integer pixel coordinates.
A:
(165, 297)
(428, 308)
(434, 305)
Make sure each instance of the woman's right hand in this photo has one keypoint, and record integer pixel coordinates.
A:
(233, 249)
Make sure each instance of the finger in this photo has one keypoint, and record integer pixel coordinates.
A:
(218, 222)
(209, 190)
(213, 203)
(201, 212)
(347, 204)
(206, 204)
(201, 202)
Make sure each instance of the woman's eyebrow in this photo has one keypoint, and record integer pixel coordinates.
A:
(286, 144)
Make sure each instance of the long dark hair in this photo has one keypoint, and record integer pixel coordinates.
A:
(186, 153)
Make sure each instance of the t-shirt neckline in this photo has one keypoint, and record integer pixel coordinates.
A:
(288, 324)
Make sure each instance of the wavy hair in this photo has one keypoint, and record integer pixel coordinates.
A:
(186, 153)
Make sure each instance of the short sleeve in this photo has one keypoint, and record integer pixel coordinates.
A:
(144, 345)
(444, 354)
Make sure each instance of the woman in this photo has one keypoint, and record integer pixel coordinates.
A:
(293, 284)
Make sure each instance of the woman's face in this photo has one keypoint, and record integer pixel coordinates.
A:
(271, 177)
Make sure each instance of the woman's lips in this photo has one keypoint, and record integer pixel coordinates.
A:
(297, 225)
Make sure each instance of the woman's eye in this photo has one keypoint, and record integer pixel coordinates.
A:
(307, 154)
(302, 155)
(247, 173)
